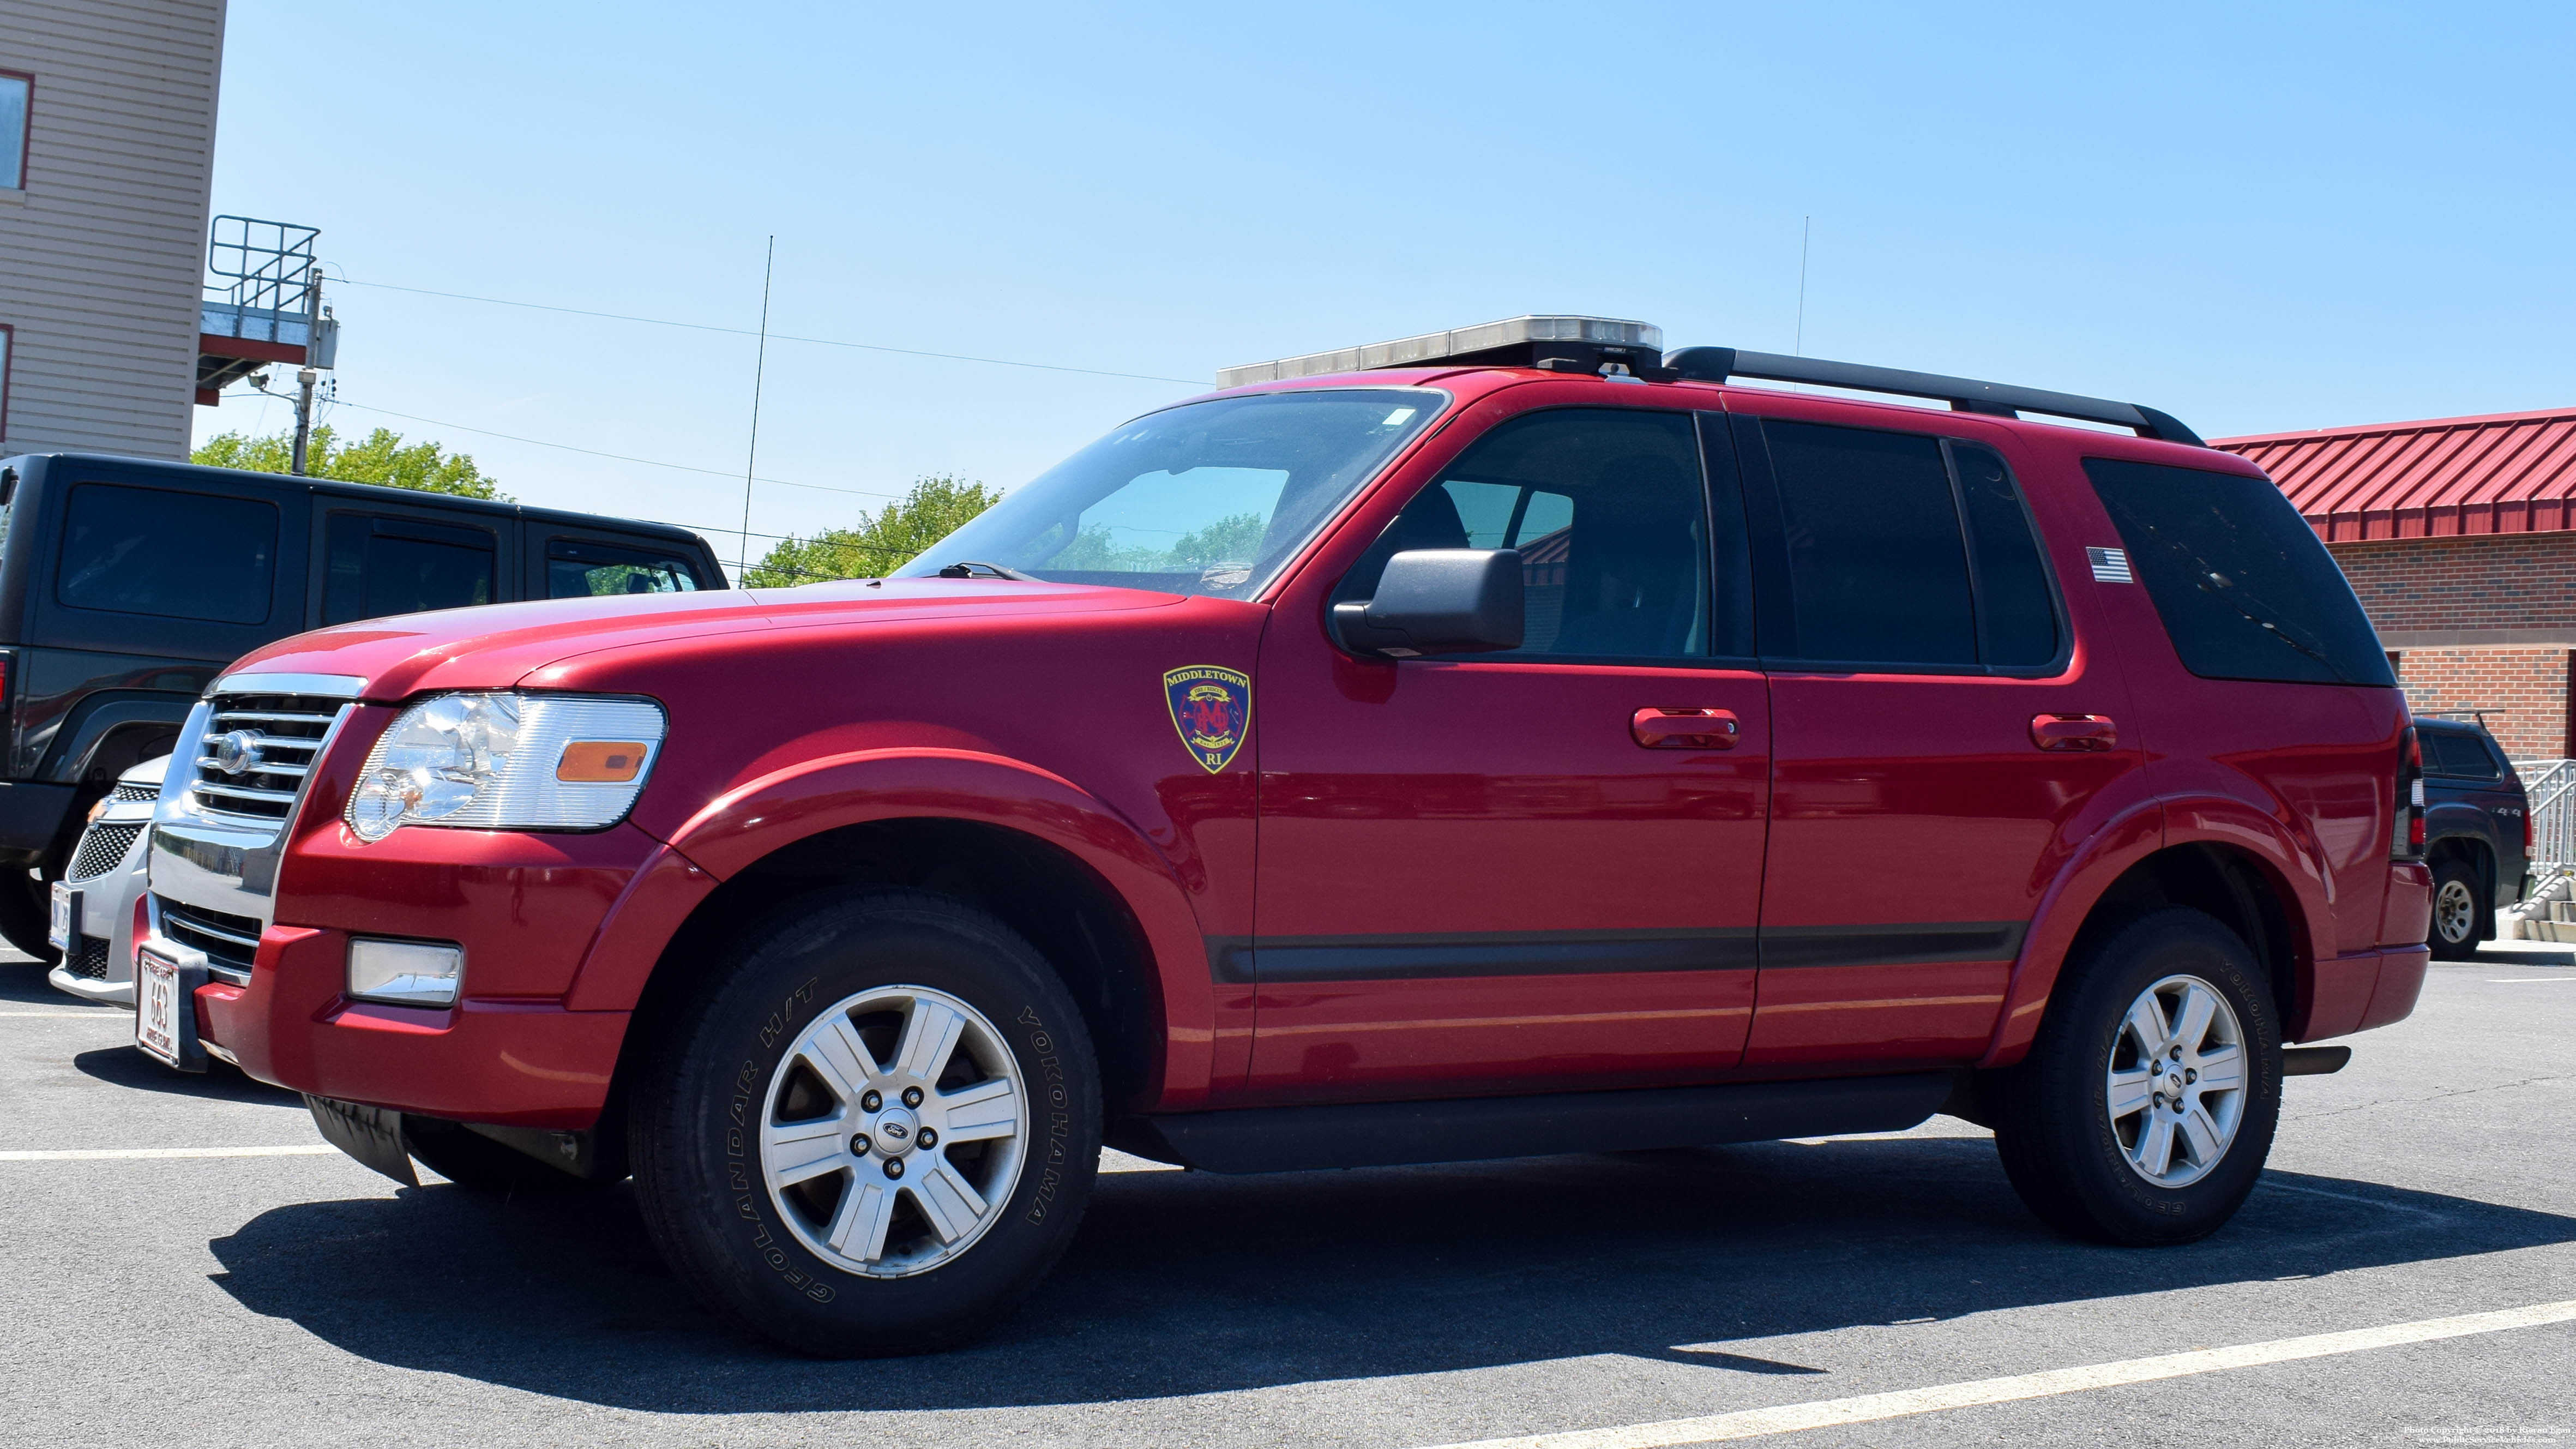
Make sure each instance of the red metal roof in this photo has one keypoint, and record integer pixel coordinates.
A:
(2503, 473)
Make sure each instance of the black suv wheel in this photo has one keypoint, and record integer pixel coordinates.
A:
(2457, 918)
(877, 1132)
(2146, 1107)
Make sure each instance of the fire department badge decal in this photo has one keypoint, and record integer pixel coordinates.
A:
(1212, 708)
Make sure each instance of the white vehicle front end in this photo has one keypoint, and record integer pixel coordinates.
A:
(93, 904)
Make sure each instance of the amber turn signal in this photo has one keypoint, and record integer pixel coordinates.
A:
(608, 762)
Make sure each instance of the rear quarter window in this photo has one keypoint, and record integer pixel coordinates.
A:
(2460, 756)
(2244, 588)
(161, 551)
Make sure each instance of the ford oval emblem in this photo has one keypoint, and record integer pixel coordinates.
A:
(238, 752)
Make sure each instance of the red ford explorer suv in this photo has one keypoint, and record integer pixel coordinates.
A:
(1507, 741)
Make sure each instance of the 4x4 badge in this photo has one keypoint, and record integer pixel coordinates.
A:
(1212, 708)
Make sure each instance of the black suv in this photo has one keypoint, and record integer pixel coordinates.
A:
(2477, 830)
(126, 585)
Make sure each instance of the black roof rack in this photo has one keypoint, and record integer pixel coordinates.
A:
(1967, 395)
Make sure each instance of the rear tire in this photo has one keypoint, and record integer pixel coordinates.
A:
(2458, 917)
(2101, 1147)
(900, 1201)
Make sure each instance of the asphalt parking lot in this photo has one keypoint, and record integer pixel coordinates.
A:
(295, 1298)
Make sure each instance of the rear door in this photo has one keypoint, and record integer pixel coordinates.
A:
(1925, 788)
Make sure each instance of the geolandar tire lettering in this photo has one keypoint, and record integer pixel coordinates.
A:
(2146, 1107)
(875, 1132)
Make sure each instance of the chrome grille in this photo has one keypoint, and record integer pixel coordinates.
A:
(101, 847)
(87, 959)
(230, 942)
(283, 731)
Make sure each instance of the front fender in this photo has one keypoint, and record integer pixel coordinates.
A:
(769, 814)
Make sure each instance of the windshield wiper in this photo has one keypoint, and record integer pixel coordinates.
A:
(965, 569)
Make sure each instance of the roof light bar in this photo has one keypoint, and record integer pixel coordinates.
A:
(1588, 342)
(1967, 395)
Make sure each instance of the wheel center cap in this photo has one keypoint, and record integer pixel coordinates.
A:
(897, 1130)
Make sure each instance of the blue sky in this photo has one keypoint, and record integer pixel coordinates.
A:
(2257, 219)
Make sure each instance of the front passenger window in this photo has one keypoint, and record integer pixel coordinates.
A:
(1608, 511)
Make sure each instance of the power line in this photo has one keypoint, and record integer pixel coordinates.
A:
(776, 336)
(620, 457)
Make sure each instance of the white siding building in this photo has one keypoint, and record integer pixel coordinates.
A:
(103, 214)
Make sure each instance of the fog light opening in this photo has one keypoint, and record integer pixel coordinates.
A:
(405, 973)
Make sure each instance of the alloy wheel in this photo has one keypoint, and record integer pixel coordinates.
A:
(2455, 912)
(893, 1130)
(2177, 1081)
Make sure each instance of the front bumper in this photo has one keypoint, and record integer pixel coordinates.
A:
(527, 1063)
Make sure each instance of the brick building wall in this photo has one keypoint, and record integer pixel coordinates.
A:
(2478, 622)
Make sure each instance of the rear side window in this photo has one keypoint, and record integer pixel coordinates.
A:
(1877, 572)
(2461, 756)
(159, 551)
(580, 569)
(380, 566)
(1895, 549)
(2243, 586)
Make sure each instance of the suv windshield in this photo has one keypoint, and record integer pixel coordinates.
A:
(1205, 498)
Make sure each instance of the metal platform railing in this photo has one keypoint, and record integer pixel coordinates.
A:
(260, 285)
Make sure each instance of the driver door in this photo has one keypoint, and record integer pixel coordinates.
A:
(1473, 877)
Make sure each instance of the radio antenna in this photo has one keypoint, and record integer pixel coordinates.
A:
(759, 367)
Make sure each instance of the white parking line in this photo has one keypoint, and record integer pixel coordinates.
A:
(102, 1012)
(103, 1154)
(1868, 1408)
(2524, 980)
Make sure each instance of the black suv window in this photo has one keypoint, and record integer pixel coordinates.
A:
(578, 568)
(1895, 549)
(380, 566)
(159, 551)
(2243, 586)
(1607, 508)
(2462, 756)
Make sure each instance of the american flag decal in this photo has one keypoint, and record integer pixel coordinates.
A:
(2110, 565)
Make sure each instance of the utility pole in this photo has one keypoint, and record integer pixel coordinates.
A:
(307, 374)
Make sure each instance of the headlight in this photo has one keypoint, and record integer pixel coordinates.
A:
(507, 762)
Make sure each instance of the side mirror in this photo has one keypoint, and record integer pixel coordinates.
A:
(1438, 601)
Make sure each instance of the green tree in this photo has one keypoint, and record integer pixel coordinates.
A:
(884, 541)
(381, 457)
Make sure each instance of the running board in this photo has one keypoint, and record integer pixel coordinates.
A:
(1390, 1134)
(2314, 1061)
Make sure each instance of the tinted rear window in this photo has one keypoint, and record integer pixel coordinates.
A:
(580, 569)
(383, 566)
(1877, 571)
(2462, 756)
(160, 551)
(2243, 586)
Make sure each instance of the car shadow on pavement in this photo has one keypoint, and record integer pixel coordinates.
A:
(128, 1066)
(1184, 1283)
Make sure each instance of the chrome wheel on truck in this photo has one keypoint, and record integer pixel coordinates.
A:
(894, 1125)
(872, 1128)
(2455, 911)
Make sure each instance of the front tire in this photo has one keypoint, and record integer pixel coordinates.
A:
(2457, 919)
(2146, 1107)
(876, 1132)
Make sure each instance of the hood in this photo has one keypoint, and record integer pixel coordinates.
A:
(498, 645)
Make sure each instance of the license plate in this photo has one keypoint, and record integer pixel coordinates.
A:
(157, 1004)
(65, 923)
